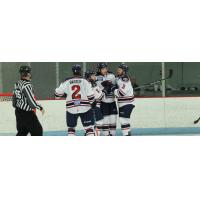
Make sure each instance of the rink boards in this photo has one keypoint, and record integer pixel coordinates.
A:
(151, 116)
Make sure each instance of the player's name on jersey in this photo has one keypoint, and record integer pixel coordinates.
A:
(75, 81)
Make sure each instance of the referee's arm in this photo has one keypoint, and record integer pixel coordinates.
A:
(14, 101)
(30, 97)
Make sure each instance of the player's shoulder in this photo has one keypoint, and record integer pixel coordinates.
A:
(86, 81)
(67, 79)
(110, 74)
(24, 83)
(73, 79)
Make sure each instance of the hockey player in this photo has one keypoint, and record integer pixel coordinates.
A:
(125, 98)
(105, 80)
(99, 95)
(79, 101)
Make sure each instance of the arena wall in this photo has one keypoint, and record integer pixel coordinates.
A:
(148, 113)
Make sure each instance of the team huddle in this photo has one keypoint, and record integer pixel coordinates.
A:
(93, 99)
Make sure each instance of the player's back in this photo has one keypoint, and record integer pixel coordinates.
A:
(79, 94)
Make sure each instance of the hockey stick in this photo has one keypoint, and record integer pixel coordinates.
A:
(197, 121)
(155, 82)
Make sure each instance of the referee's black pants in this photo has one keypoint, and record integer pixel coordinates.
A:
(27, 122)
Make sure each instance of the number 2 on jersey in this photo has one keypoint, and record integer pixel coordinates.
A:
(76, 89)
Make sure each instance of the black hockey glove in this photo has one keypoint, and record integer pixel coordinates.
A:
(63, 96)
(105, 92)
(106, 84)
(113, 88)
(93, 105)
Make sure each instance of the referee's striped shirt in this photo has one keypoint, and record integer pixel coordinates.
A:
(23, 97)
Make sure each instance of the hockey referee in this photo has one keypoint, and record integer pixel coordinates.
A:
(25, 104)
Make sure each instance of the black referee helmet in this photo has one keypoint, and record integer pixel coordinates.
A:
(24, 70)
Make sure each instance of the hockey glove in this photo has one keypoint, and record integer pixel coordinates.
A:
(113, 88)
(93, 105)
(106, 84)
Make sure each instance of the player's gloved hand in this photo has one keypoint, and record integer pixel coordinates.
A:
(113, 88)
(106, 84)
(105, 92)
(93, 105)
(108, 90)
(59, 97)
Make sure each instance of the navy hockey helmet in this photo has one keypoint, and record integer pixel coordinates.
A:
(124, 67)
(101, 66)
(88, 74)
(76, 69)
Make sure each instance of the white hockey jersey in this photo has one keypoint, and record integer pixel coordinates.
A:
(109, 98)
(99, 95)
(79, 94)
(124, 93)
